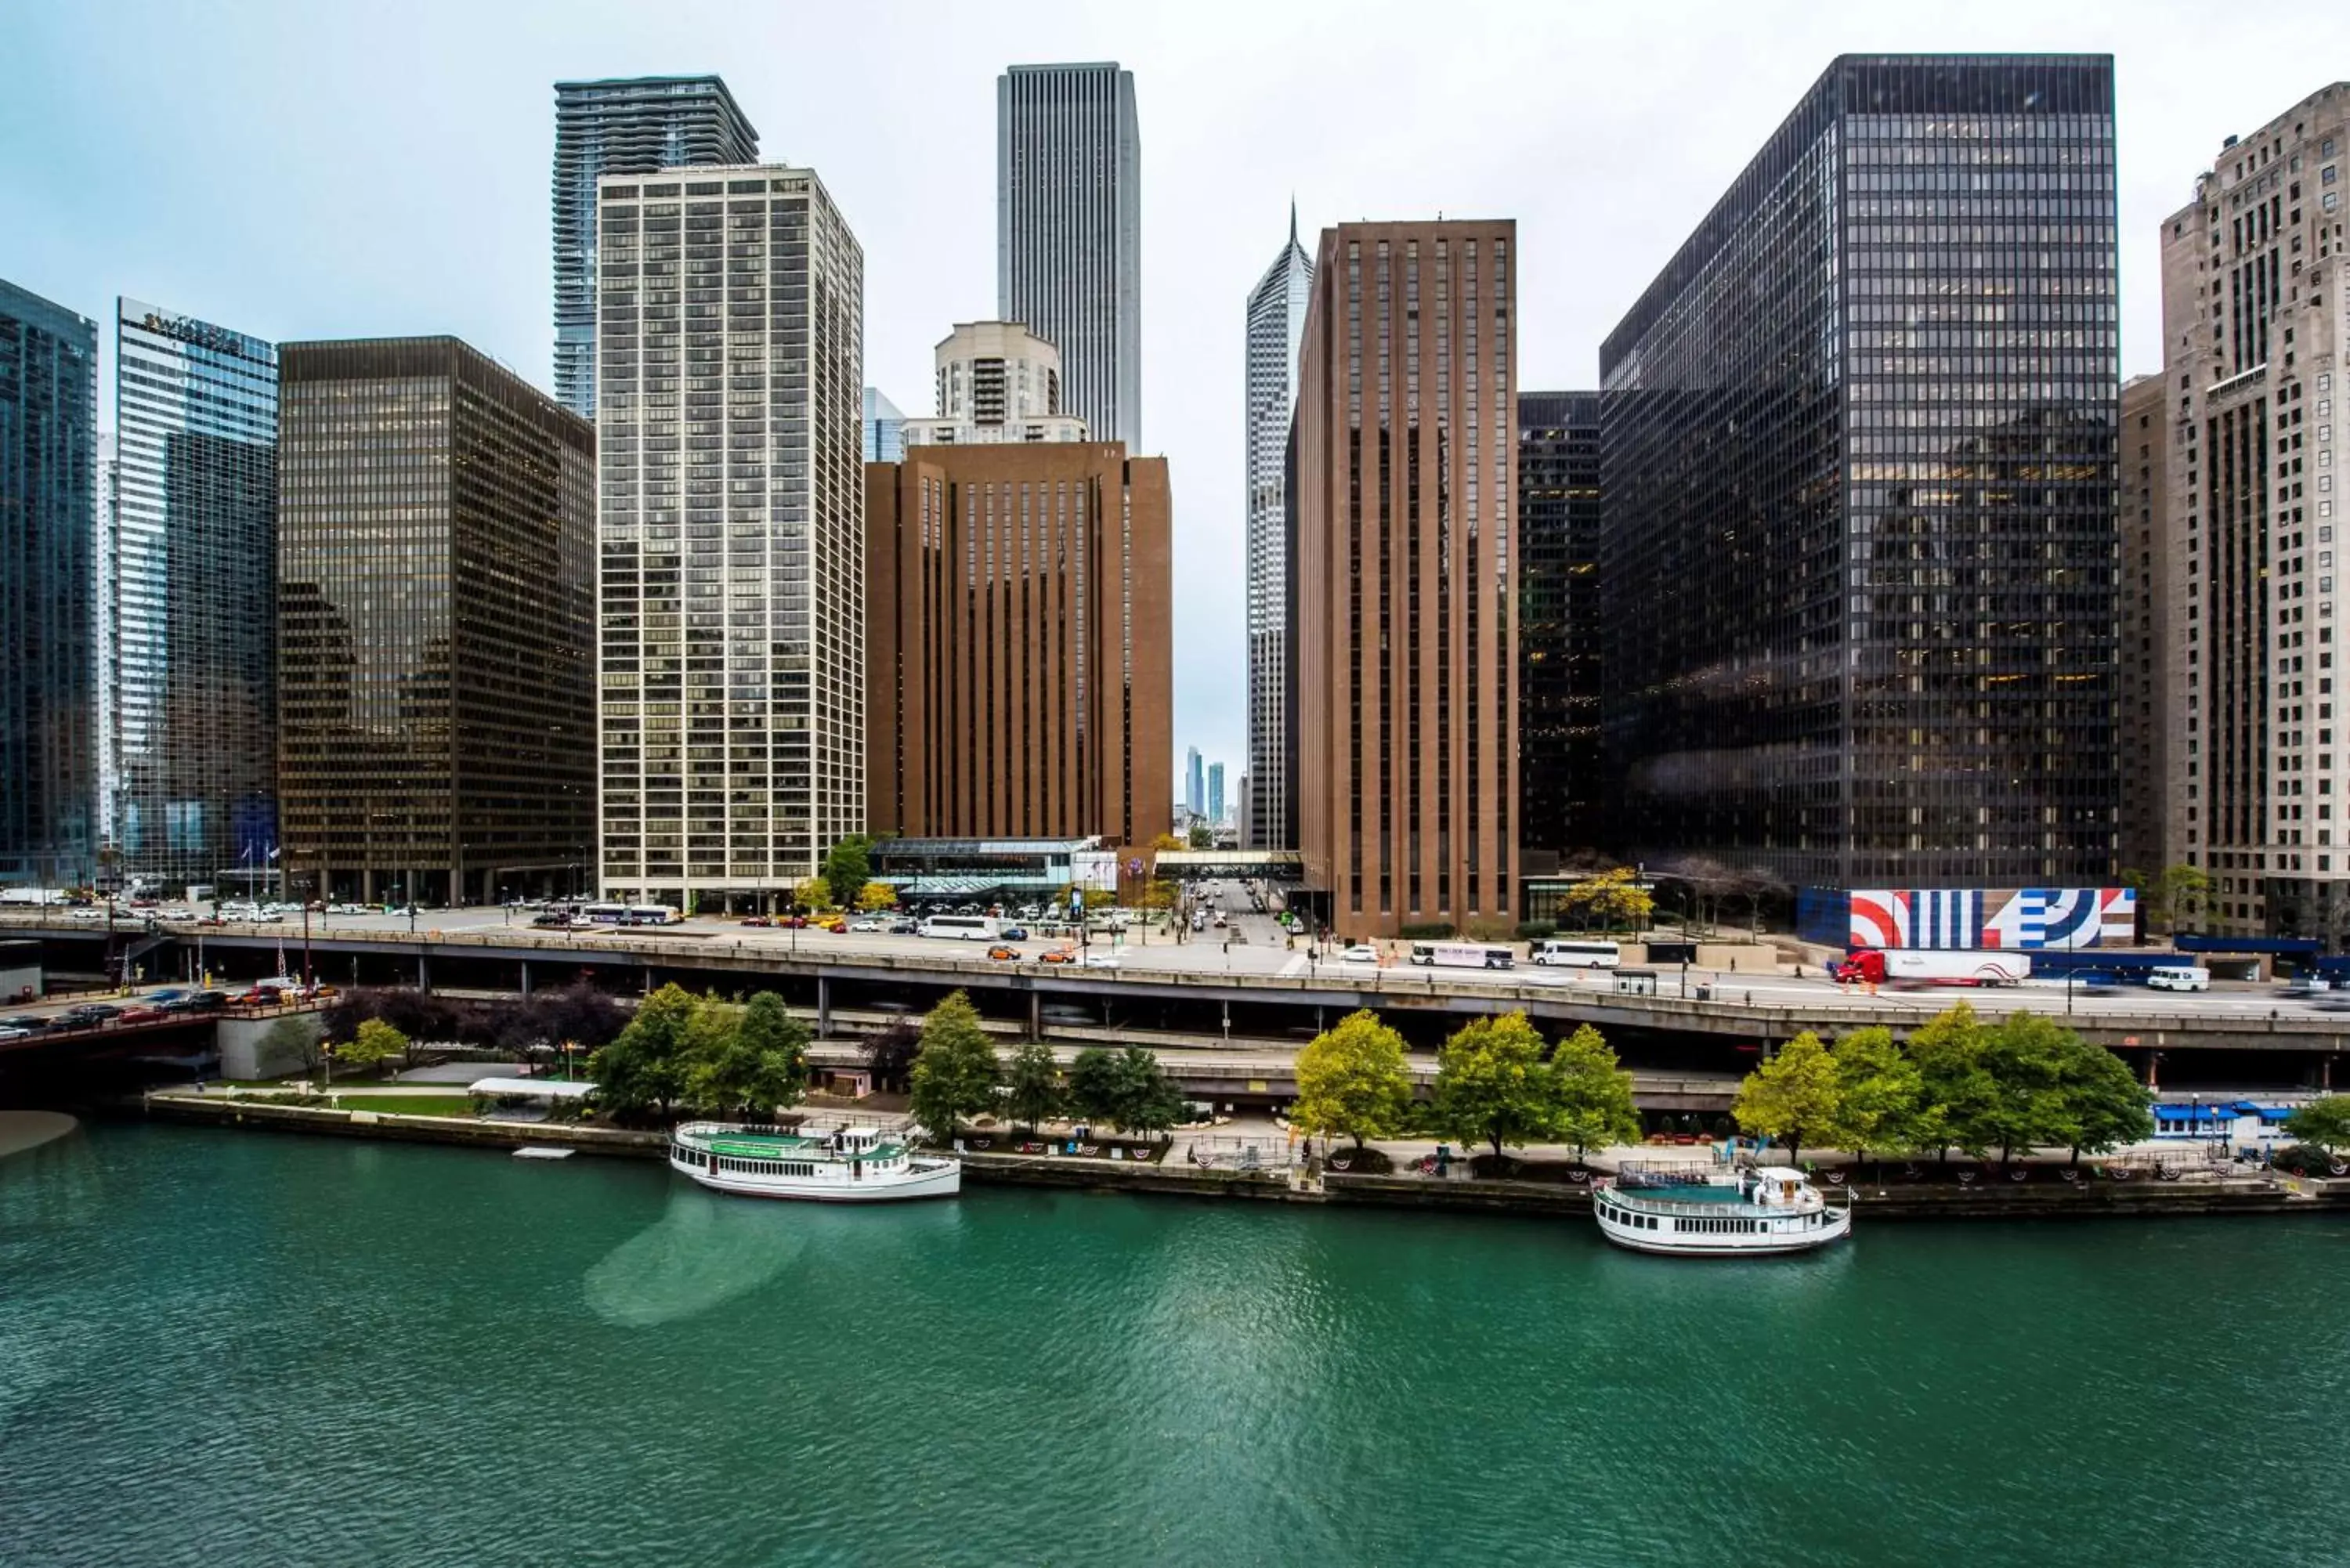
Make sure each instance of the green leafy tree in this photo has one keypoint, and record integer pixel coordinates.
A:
(1147, 1100)
(1202, 836)
(643, 1069)
(1492, 1086)
(1351, 1080)
(812, 894)
(1791, 1096)
(2105, 1105)
(955, 1069)
(1095, 1085)
(1615, 898)
(876, 897)
(1594, 1095)
(1034, 1078)
(2025, 1055)
(1880, 1105)
(751, 1058)
(2185, 891)
(1959, 1093)
(298, 1038)
(2325, 1122)
(847, 868)
(376, 1043)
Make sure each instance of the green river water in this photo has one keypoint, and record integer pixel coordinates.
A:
(226, 1349)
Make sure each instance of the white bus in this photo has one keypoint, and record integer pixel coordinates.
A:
(1462, 955)
(631, 914)
(964, 927)
(1578, 955)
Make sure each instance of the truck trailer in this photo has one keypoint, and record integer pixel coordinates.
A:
(1932, 966)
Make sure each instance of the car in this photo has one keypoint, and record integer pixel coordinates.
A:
(1359, 953)
(902, 926)
(141, 1015)
(175, 912)
(762, 921)
(550, 920)
(869, 923)
(345, 909)
(1219, 922)
(10, 1032)
(1061, 955)
(833, 923)
(1100, 960)
(1014, 933)
(999, 951)
(87, 912)
(168, 993)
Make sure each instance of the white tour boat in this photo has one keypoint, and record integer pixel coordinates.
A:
(1772, 1209)
(849, 1164)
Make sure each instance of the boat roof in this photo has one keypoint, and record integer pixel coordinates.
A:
(777, 1145)
(1780, 1173)
(552, 1088)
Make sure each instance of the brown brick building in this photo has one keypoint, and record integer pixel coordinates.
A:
(1407, 454)
(1018, 651)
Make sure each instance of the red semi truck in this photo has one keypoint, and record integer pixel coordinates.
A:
(1930, 966)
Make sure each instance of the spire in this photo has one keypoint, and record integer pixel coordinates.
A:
(1293, 220)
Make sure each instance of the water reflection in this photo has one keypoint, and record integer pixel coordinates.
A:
(704, 1251)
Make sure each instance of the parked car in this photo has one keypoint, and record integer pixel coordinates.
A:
(833, 923)
(141, 1015)
(10, 1032)
(759, 920)
(868, 923)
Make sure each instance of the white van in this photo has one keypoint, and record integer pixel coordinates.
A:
(1579, 955)
(967, 928)
(2179, 977)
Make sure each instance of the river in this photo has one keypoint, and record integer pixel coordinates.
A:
(226, 1349)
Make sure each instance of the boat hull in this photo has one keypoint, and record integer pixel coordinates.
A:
(1676, 1235)
(1761, 1247)
(944, 1182)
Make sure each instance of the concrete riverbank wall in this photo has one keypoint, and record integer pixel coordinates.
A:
(2050, 1198)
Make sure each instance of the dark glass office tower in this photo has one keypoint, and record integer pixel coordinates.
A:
(630, 126)
(188, 622)
(1559, 792)
(436, 581)
(48, 591)
(1859, 439)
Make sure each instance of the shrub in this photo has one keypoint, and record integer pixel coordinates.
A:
(1426, 930)
(2307, 1158)
(1535, 931)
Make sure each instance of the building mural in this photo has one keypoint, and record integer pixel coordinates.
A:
(1992, 917)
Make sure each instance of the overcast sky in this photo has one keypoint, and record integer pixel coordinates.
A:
(331, 170)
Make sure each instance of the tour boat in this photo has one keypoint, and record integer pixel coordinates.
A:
(1772, 1209)
(849, 1164)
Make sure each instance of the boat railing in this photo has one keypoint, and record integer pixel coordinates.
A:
(1644, 1204)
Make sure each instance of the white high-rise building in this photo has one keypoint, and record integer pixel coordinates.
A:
(1068, 233)
(730, 443)
(998, 382)
(1276, 318)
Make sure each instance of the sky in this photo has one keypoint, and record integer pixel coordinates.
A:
(331, 170)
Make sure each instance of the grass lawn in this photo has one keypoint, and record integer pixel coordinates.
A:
(411, 1105)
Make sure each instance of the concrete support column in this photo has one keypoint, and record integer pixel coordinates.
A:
(423, 974)
(1035, 1016)
(649, 979)
(525, 977)
(823, 1008)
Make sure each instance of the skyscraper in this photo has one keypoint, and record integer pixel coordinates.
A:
(998, 382)
(1068, 233)
(2255, 353)
(1407, 456)
(1216, 793)
(628, 126)
(733, 537)
(1560, 792)
(885, 429)
(188, 622)
(1195, 783)
(48, 590)
(2142, 710)
(1859, 446)
(1277, 315)
(1019, 651)
(436, 583)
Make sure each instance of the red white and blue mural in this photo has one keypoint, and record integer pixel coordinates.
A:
(1993, 918)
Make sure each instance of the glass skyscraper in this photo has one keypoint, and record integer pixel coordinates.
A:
(48, 591)
(1859, 442)
(1068, 233)
(628, 126)
(885, 429)
(1276, 318)
(1560, 792)
(187, 623)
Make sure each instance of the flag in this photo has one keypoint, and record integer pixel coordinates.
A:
(273, 852)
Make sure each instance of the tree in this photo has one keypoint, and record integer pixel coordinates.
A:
(294, 1038)
(1615, 897)
(889, 1055)
(1594, 1095)
(1093, 1092)
(1351, 1080)
(813, 894)
(2324, 1122)
(1959, 1092)
(644, 1066)
(1034, 1078)
(752, 1058)
(1492, 1085)
(1202, 836)
(876, 897)
(1147, 1100)
(955, 1070)
(2024, 1056)
(1790, 1096)
(847, 868)
(2178, 899)
(373, 1044)
(2105, 1105)
(1880, 1103)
